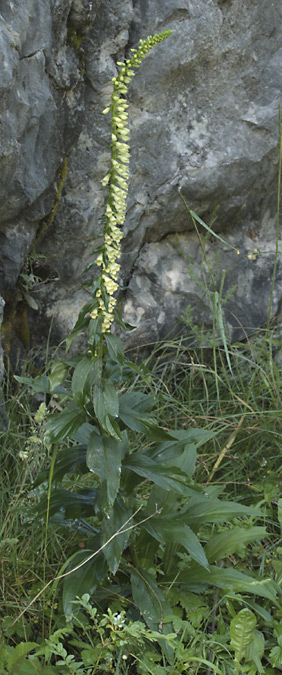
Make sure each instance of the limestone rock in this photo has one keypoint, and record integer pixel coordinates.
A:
(204, 121)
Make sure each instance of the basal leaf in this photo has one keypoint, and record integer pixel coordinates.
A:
(228, 578)
(232, 541)
(83, 434)
(177, 454)
(171, 531)
(150, 600)
(208, 510)
(83, 580)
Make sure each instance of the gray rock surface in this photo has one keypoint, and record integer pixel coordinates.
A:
(204, 120)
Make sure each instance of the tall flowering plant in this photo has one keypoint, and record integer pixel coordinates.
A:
(116, 182)
(107, 430)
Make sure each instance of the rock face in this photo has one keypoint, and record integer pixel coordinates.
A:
(204, 124)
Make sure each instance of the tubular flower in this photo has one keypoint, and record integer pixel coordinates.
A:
(116, 183)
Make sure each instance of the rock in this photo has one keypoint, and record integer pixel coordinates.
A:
(173, 290)
(40, 108)
(204, 122)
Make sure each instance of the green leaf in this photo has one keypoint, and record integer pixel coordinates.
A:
(279, 513)
(80, 375)
(134, 410)
(199, 220)
(106, 407)
(94, 331)
(58, 374)
(31, 302)
(176, 454)
(192, 435)
(39, 384)
(82, 322)
(241, 632)
(228, 578)
(168, 531)
(140, 369)
(63, 424)
(104, 459)
(18, 654)
(232, 541)
(111, 399)
(276, 656)
(118, 516)
(150, 600)
(168, 478)
(217, 309)
(71, 504)
(83, 580)
(201, 510)
(255, 650)
(115, 347)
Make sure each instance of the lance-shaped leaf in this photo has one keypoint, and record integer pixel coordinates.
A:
(167, 530)
(177, 454)
(169, 478)
(58, 374)
(228, 578)
(38, 384)
(110, 526)
(201, 510)
(104, 459)
(255, 650)
(64, 424)
(115, 347)
(71, 504)
(85, 579)
(232, 541)
(150, 601)
(135, 409)
(86, 373)
(106, 407)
